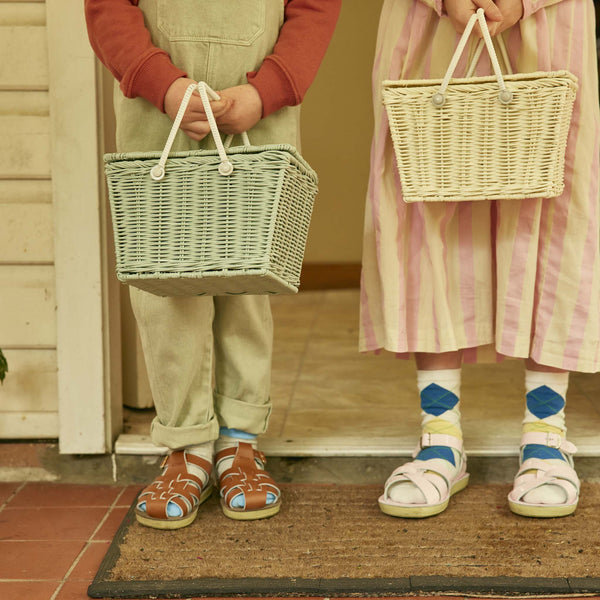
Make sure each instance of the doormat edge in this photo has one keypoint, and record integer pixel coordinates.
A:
(492, 586)
(271, 587)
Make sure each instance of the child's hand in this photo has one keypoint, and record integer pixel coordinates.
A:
(512, 11)
(460, 11)
(245, 109)
(194, 123)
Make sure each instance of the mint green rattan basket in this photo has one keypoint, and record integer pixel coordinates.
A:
(211, 222)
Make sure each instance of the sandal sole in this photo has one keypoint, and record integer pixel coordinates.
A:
(542, 512)
(176, 522)
(420, 511)
(250, 515)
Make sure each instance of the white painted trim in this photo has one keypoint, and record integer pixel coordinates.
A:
(28, 425)
(128, 443)
(81, 292)
(346, 446)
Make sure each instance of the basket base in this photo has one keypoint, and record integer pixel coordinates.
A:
(215, 283)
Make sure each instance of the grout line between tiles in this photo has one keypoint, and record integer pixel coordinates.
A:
(86, 545)
(28, 580)
(311, 329)
(11, 496)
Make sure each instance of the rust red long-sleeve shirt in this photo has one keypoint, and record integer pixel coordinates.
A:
(121, 41)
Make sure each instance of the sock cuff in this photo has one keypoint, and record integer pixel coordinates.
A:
(556, 381)
(225, 441)
(447, 378)
(236, 433)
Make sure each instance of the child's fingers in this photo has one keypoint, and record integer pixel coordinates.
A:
(197, 130)
(492, 12)
(196, 112)
(494, 28)
(195, 137)
(220, 107)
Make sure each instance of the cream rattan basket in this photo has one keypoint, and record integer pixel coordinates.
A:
(481, 138)
(215, 222)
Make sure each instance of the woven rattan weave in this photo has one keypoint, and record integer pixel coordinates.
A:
(197, 231)
(481, 138)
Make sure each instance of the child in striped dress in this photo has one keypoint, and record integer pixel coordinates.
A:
(453, 282)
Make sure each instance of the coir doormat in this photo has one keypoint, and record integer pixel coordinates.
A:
(334, 541)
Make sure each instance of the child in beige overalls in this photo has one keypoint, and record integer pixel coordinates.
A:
(224, 44)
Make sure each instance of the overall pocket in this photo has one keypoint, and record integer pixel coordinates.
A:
(238, 22)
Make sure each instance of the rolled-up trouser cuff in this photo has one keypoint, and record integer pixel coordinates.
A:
(180, 437)
(236, 414)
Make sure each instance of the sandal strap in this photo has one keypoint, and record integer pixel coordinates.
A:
(562, 475)
(176, 484)
(426, 485)
(438, 439)
(552, 440)
(246, 477)
(232, 451)
(432, 479)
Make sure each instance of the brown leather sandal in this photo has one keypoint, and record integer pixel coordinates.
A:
(178, 486)
(247, 476)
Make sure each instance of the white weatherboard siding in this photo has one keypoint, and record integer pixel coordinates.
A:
(55, 324)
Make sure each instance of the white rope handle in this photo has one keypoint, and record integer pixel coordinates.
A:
(245, 139)
(225, 167)
(505, 95)
(477, 55)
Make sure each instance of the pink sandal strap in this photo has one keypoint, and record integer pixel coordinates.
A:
(535, 473)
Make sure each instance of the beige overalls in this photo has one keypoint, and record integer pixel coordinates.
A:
(217, 42)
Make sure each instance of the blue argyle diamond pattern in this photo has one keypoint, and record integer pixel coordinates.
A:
(544, 402)
(436, 400)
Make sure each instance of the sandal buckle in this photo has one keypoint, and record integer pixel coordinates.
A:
(426, 440)
(554, 440)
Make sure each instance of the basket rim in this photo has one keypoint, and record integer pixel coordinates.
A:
(117, 157)
(392, 84)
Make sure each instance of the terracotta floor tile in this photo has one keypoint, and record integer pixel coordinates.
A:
(110, 526)
(77, 590)
(37, 560)
(129, 495)
(74, 590)
(27, 590)
(34, 495)
(49, 523)
(89, 562)
(6, 489)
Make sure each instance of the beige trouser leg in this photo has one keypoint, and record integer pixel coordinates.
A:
(177, 337)
(243, 332)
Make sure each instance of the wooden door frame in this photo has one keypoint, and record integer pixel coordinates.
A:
(88, 344)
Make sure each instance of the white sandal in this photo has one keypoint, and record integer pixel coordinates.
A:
(436, 481)
(535, 473)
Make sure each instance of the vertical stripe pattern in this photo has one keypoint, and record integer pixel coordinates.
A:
(516, 278)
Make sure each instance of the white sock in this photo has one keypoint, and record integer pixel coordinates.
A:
(546, 415)
(440, 413)
(226, 441)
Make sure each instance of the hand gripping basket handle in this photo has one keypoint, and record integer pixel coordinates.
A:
(505, 95)
(225, 167)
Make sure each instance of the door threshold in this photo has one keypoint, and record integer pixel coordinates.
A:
(355, 446)
(312, 447)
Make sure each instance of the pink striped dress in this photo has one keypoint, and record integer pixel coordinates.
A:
(517, 278)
